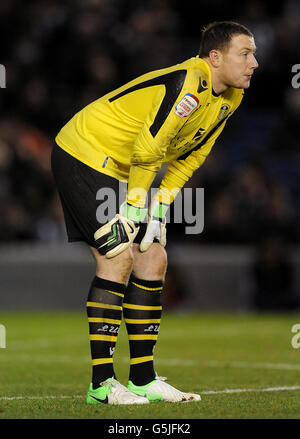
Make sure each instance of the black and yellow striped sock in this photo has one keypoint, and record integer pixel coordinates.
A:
(104, 310)
(142, 313)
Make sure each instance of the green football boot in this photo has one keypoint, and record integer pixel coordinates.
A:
(158, 390)
(111, 391)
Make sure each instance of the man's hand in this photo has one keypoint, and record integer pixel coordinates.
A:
(156, 228)
(119, 233)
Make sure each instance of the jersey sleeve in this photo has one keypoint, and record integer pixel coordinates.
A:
(181, 170)
(172, 106)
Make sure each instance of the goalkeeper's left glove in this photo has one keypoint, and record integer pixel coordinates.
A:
(118, 234)
(156, 228)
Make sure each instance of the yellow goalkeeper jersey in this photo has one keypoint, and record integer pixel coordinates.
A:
(170, 115)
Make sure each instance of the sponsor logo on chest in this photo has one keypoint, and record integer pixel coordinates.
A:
(186, 105)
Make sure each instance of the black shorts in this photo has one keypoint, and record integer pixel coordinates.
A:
(89, 198)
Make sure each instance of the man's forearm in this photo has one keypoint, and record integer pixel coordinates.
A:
(139, 182)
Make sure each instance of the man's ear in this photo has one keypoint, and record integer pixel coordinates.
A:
(215, 57)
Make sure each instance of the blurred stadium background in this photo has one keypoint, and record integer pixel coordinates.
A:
(59, 56)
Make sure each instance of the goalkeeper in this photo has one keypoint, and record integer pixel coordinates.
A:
(172, 116)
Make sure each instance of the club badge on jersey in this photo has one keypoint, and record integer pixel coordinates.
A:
(223, 111)
(186, 105)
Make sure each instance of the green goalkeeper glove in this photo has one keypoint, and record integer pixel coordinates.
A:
(119, 233)
(156, 228)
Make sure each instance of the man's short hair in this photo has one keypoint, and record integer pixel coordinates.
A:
(217, 35)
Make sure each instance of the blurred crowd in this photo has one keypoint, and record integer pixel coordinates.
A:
(61, 55)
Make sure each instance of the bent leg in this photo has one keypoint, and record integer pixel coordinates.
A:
(152, 264)
(104, 310)
(116, 269)
(142, 310)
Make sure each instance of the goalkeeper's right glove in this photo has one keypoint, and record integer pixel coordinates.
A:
(119, 233)
(156, 227)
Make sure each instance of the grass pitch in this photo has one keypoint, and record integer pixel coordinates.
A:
(244, 367)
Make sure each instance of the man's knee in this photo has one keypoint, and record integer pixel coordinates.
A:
(117, 269)
(152, 264)
(160, 256)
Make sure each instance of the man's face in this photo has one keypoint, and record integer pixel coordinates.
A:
(237, 62)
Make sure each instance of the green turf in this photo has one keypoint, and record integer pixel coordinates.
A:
(45, 368)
